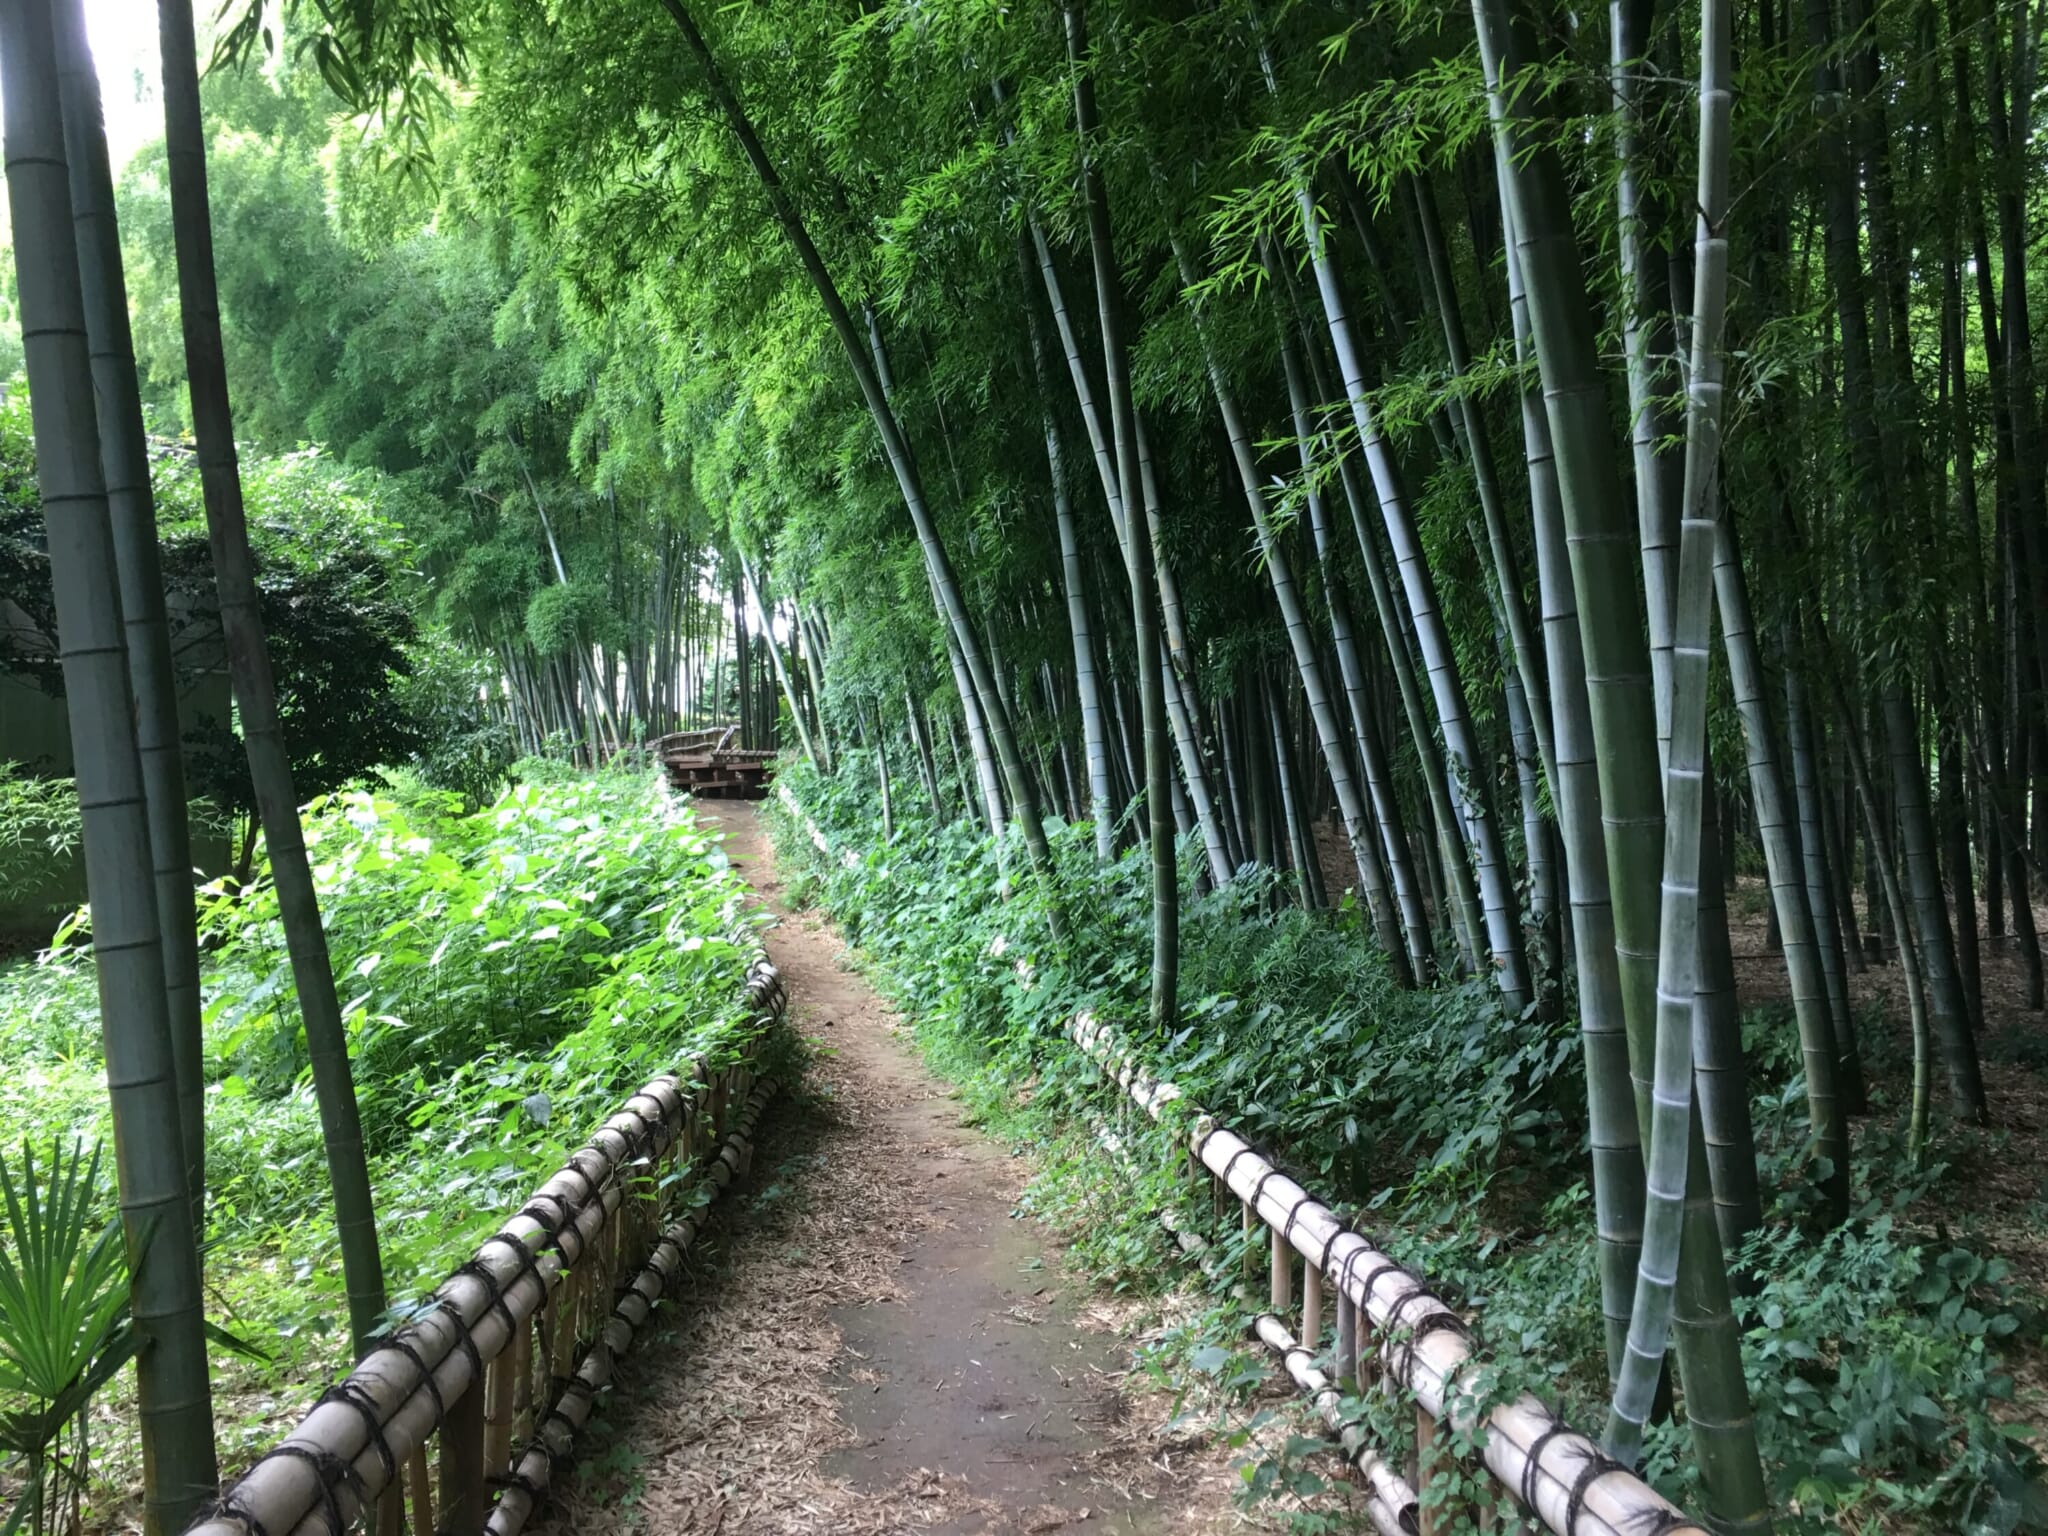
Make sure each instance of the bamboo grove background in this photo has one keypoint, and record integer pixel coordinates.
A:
(1560, 460)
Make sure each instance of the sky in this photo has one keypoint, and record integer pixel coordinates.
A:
(124, 47)
(123, 37)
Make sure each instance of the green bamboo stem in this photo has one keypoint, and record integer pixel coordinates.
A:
(124, 457)
(1470, 780)
(1610, 1100)
(174, 1407)
(270, 769)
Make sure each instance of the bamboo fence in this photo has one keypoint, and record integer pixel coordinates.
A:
(456, 1421)
(1391, 1334)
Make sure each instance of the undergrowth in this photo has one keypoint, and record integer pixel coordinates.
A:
(508, 978)
(1877, 1354)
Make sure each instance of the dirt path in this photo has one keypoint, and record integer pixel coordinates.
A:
(880, 1346)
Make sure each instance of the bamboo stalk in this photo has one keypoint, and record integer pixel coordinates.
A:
(420, 1484)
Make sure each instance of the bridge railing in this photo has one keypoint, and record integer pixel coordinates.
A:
(456, 1420)
(1391, 1332)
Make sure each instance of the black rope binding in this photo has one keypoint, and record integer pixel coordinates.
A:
(1343, 1227)
(1531, 1469)
(1441, 1321)
(331, 1472)
(1379, 1271)
(477, 1270)
(226, 1508)
(468, 1346)
(402, 1342)
(511, 1478)
(1660, 1522)
(529, 1268)
(550, 1224)
(1597, 1465)
(355, 1397)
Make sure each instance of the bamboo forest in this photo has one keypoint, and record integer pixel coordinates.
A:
(1107, 766)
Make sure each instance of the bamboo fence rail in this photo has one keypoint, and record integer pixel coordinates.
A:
(510, 1350)
(1423, 1347)
(1391, 1504)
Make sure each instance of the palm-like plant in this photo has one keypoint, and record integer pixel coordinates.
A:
(64, 1328)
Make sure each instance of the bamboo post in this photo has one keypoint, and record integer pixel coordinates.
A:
(498, 1390)
(1311, 1307)
(419, 1483)
(1283, 1274)
(1526, 1446)
(462, 1466)
(1432, 1518)
(1251, 1223)
(1347, 1342)
(563, 1312)
(522, 1378)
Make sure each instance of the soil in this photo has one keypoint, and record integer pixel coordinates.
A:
(881, 1344)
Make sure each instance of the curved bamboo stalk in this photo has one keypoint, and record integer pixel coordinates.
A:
(1467, 771)
(1646, 336)
(1365, 731)
(1358, 831)
(1460, 909)
(811, 746)
(895, 445)
(255, 688)
(1471, 418)
(1820, 890)
(1183, 710)
(1087, 688)
(1803, 964)
(1139, 554)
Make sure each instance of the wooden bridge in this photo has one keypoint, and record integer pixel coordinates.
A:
(706, 763)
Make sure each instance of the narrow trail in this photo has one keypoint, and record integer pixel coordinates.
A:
(880, 1345)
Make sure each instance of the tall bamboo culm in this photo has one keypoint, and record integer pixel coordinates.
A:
(174, 1404)
(124, 457)
(270, 768)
